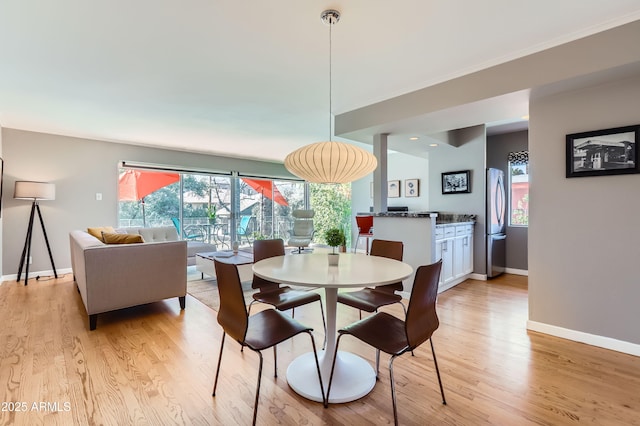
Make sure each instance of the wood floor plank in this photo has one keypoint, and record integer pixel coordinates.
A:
(155, 364)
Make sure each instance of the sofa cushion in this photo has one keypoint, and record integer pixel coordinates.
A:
(97, 231)
(159, 233)
(115, 238)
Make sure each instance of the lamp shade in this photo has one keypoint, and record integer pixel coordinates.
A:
(330, 162)
(28, 190)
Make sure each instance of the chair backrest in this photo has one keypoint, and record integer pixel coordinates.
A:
(303, 223)
(264, 249)
(232, 313)
(176, 223)
(422, 319)
(365, 223)
(243, 226)
(391, 250)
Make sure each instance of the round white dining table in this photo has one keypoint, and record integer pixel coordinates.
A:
(354, 377)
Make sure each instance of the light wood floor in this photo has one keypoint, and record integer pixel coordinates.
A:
(155, 365)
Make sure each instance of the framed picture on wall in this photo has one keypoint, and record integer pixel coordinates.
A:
(603, 152)
(393, 190)
(412, 188)
(456, 182)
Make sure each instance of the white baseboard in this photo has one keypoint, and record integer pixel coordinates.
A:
(589, 339)
(41, 274)
(517, 271)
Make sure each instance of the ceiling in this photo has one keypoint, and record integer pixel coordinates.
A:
(221, 77)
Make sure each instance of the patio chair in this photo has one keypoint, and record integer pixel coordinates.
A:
(302, 232)
(190, 232)
(245, 228)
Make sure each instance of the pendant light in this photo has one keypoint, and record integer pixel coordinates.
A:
(330, 161)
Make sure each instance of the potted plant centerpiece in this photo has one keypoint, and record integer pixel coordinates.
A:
(335, 237)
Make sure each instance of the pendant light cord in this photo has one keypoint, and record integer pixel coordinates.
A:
(330, 82)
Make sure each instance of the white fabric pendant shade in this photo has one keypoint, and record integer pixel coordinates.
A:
(330, 162)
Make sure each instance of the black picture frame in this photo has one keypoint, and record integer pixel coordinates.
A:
(603, 152)
(456, 182)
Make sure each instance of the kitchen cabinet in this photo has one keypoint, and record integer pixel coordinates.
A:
(454, 245)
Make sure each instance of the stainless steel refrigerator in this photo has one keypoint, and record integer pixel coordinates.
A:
(496, 237)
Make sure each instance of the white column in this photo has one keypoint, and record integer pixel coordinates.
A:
(380, 173)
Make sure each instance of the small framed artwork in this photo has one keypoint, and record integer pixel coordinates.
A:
(393, 190)
(603, 152)
(412, 188)
(456, 182)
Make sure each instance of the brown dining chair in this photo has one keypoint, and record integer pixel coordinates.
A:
(395, 337)
(261, 331)
(280, 297)
(371, 299)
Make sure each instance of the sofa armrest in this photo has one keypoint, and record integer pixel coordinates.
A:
(112, 277)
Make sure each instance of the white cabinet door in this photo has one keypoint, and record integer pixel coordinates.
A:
(446, 275)
(467, 254)
(458, 256)
(438, 256)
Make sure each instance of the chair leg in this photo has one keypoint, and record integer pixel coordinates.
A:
(315, 354)
(275, 361)
(255, 404)
(333, 366)
(215, 383)
(393, 391)
(324, 324)
(377, 364)
(444, 401)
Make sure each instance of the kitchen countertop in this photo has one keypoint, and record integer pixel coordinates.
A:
(405, 214)
(441, 218)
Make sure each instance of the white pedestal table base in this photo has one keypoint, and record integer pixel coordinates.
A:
(353, 378)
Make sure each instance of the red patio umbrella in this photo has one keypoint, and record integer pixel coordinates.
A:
(268, 189)
(134, 185)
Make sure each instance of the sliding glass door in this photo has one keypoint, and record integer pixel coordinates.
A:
(211, 208)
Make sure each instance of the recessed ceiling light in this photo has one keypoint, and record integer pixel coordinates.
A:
(414, 138)
(433, 144)
(525, 117)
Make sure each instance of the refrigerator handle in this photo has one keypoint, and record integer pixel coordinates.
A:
(500, 196)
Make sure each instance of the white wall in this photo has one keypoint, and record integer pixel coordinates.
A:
(399, 167)
(584, 233)
(402, 167)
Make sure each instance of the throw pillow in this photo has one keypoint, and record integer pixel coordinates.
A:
(114, 238)
(97, 231)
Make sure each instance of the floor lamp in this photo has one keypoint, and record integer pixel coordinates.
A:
(36, 191)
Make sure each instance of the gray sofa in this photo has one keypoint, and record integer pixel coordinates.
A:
(116, 276)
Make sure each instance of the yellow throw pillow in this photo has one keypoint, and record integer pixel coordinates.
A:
(113, 238)
(97, 232)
